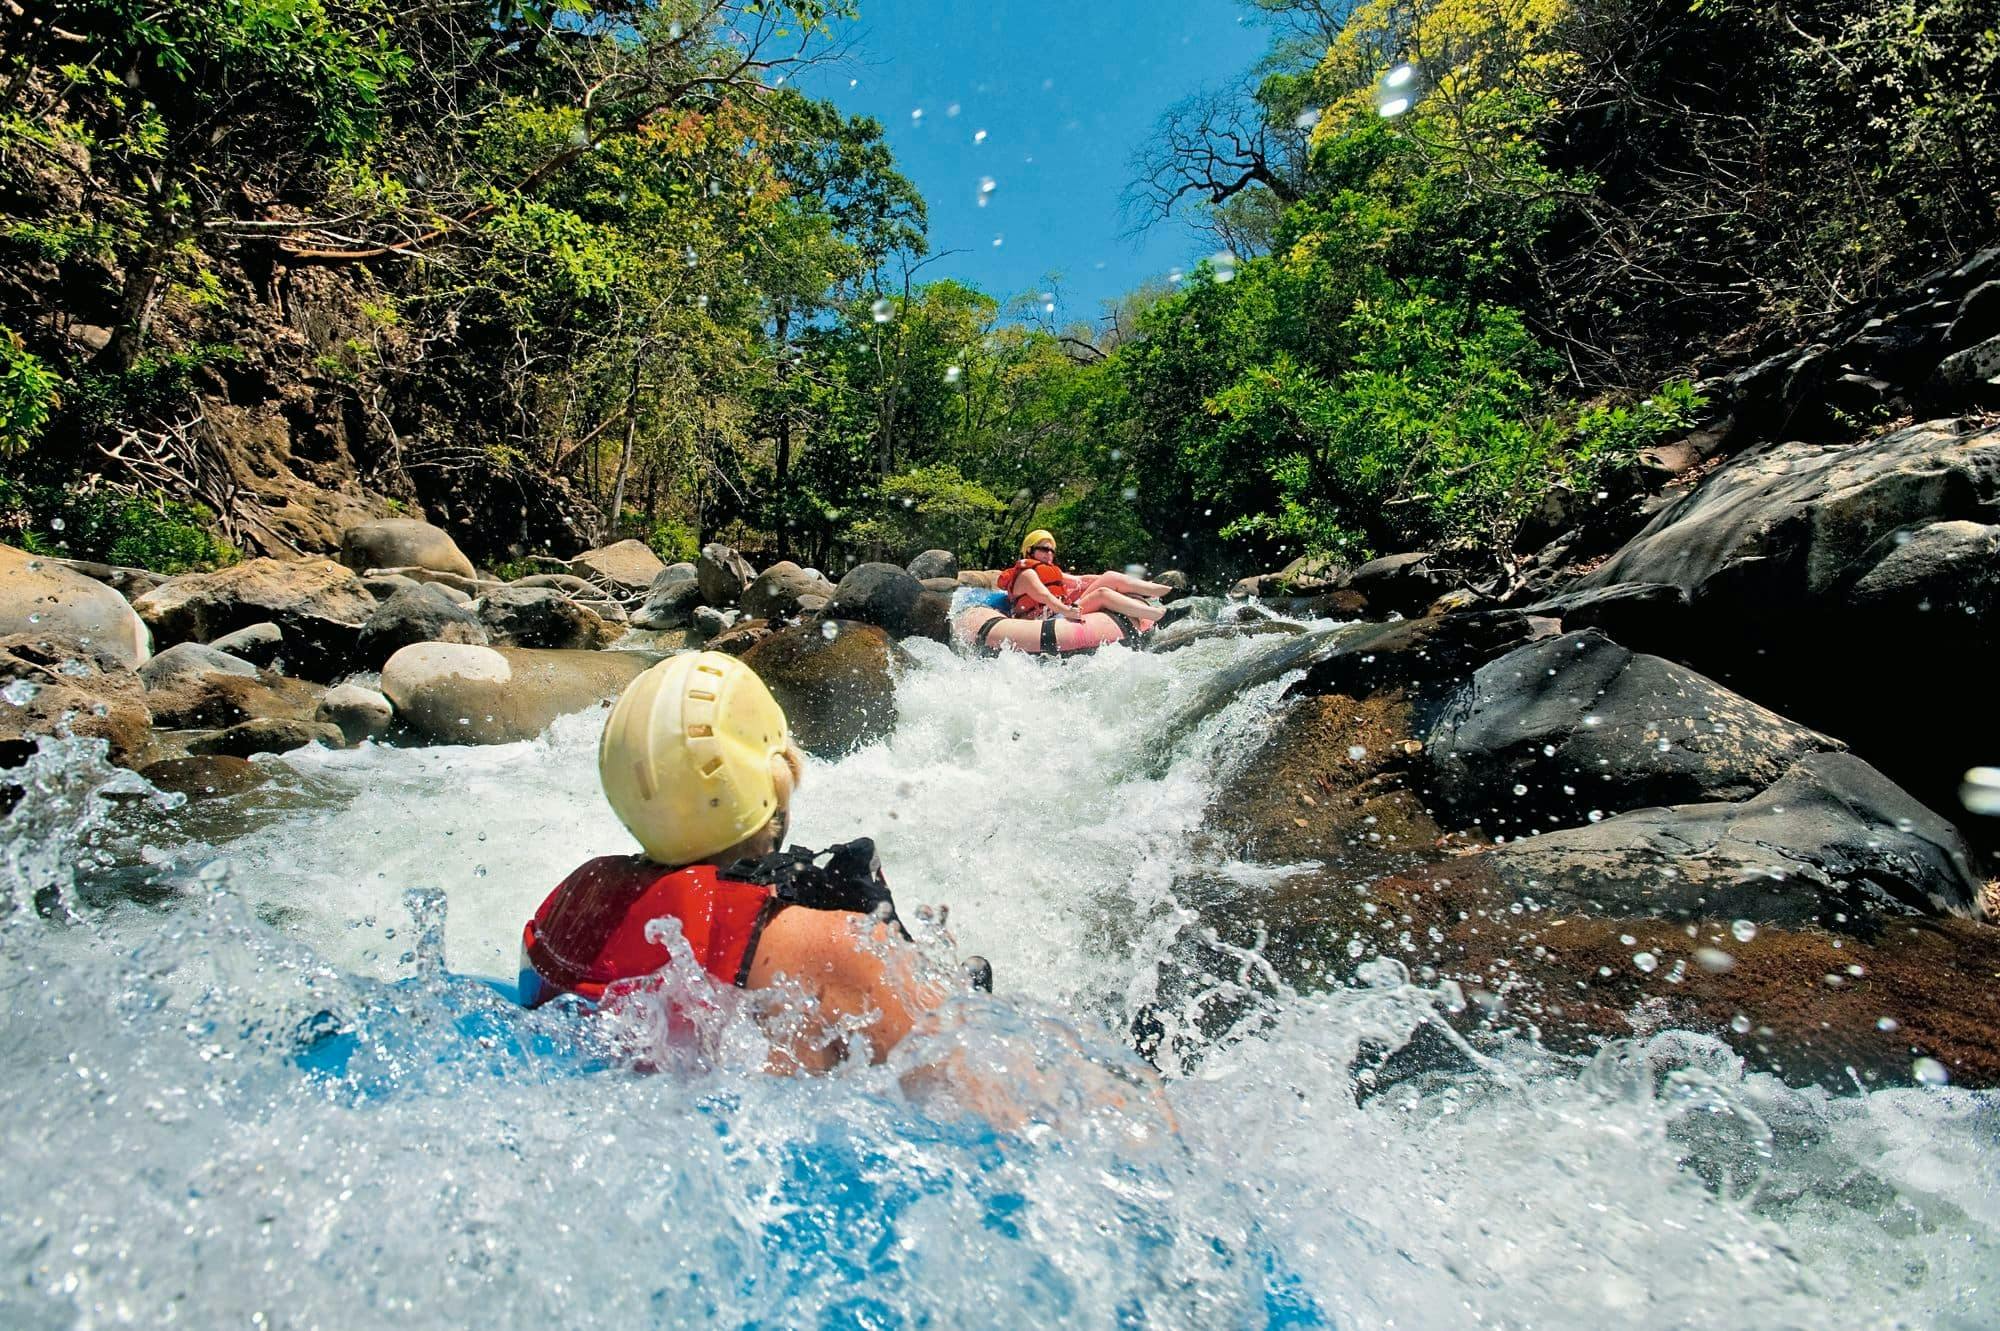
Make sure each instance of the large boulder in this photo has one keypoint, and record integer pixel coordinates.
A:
(670, 604)
(1850, 587)
(260, 644)
(723, 574)
(402, 543)
(775, 592)
(1550, 731)
(48, 684)
(835, 679)
(411, 617)
(1397, 584)
(191, 685)
(42, 596)
(879, 594)
(191, 660)
(205, 776)
(627, 567)
(541, 617)
(318, 604)
(934, 564)
(451, 693)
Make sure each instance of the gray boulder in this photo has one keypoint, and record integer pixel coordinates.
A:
(670, 604)
(452, 693)
(402, 543)
(259, 644)
(627, 567)
(879, 594)
(1398, 584)
(709, 621)
(319, 605)
(775, 592)
(361, 713)
(1553, 730)
(541, 617)
(411, 617)
(723, 575)
(41, 595)
(189, 660)
(934, 564)
(1968, 378)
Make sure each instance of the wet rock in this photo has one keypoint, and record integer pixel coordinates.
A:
(360, 712)
(452, 693)
(672, 602)
(402, 543)
(1398, 584)
(259, 644)
(42, 596)
(710, 622)
(1177, 584)
(810, 606)
(413, 617)
(1813, 579)
(775, 593)
(319, 605)
(205, 776)
(723, 575)
(737, 638)
(835, 680)
(1968, 378)
(267, 735)
(541, 617)
(1647, 612)
(47, 684)
(879, 594)
(224, 698)
(985, 579)
(627, 567)
(934, 564)
(1545, 734)
(930, 617)
(685, 571)
(189, 660)
(943, 586)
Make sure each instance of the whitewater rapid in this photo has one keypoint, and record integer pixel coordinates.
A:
(246, 1085)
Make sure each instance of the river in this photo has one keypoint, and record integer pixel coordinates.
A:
(253, 1079)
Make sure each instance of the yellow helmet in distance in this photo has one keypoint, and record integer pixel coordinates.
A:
(1036, 537)
(686, 756)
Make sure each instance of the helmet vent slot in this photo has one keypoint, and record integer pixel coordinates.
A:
(706, 695)
(710, 767)
(700, 731)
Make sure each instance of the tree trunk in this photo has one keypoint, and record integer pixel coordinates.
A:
(625, 451)
(140, 297)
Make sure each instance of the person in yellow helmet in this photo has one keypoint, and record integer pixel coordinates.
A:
(1037, 588)
(697, 762)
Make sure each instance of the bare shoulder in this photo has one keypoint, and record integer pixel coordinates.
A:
(811, 944)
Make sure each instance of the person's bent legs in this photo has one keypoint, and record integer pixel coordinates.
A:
(1103, 598)
(1131, 586)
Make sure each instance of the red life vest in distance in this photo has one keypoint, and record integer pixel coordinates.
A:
(1051, 577)
(591, 931)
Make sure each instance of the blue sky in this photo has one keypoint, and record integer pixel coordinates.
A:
(1065, 93)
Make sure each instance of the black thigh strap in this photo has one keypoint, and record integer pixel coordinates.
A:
(1049, 635)
(1127, 630)
(985, 631)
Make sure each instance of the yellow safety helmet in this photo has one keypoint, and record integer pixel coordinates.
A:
(686, 756)
(1035, 538)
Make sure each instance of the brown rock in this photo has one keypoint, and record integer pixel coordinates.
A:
(310, 600)
(205, 775)
(47, 684)
(454, 693)
(836, 681)
(267, 735)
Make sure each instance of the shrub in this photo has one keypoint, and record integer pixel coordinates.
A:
(147, 531)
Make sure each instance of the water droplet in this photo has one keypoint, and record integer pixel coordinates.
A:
(951, 112)
(1593, 721)
(1116, 454)
(56, 524)
(1714, 960)
(1394, 107)
(690, 258)
(1740, 1024)
(1929, 1072)
(1627, 939)
(979, 136)
(987, 184)
(1520, 789)
(1664, 745)
(1355, 753)
(1548, 750)
(1887, 1024)
(882, 310)
(1595, 815)
(1306, 119)
(1646, 962)
(916, 115)
(997, 241)
(1743, 930)
(478, 871)
(952, 372)
(1399, 77)
(1130, 492)
(829, 630)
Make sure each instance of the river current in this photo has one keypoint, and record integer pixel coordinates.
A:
(252, 1077)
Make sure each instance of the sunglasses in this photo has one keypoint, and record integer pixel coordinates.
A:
(1038, 549)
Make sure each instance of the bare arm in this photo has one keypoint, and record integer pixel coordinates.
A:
(1029, 582)
(874, 986)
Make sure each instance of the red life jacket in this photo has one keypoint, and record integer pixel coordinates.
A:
(591, 931)
(1051, 577)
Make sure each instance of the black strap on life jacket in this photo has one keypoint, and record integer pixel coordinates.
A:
(851, 879)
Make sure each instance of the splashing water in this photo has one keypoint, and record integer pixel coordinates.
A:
(252, 1081)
